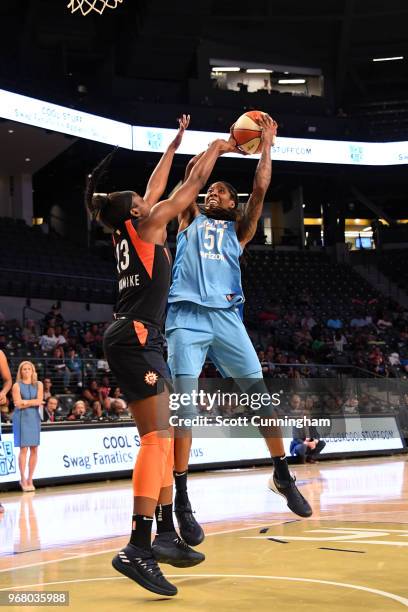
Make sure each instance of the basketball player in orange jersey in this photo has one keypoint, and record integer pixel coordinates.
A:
(203, 319)
(133, 345)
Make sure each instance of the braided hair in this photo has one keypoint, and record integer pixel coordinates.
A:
(111, 209)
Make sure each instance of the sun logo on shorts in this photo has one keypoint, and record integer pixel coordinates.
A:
(151, 378)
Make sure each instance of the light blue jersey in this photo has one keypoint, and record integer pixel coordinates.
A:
(206, 269)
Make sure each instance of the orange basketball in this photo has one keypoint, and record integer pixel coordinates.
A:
(247, 132)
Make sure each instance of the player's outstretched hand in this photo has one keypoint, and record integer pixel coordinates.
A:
(269, 129)
(184, 122)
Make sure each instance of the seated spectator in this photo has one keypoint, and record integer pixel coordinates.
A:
(302, 338)
(264, 364)
(308, 321)
(359, 321)
(383, 323)
(47, 388)
(78, 411)
(54, 315)
(50, 409)
(350, 406)
(104, 391)
(117, 396)
(339, 341)
(116, 410)
(96, 410)
(74, 365)
(93, 338)
(92, 392)
(306, 443)
(48, 341)
(61, 338)
(334, 323)
(30, 333)
(61, 374)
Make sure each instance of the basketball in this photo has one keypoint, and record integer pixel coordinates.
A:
(247, 132)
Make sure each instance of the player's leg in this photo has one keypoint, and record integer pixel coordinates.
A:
(136, 560)
(189, 334)
(140, 370)
(167, 546)
(233, 350)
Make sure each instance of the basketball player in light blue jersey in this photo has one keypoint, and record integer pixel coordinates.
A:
(203, 317)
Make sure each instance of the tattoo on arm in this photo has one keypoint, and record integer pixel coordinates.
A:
(253, 209)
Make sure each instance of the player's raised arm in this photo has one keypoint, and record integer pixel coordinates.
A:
(163, 212)
(191, 211)
(253, 209)
(158, 180)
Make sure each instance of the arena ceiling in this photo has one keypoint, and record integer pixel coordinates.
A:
(158, 40)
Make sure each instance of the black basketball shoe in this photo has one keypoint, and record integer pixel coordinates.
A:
(190, 530)
(169, 548)
(140, 565)
(294, 499)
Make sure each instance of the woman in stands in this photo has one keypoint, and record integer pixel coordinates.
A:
(27, 398)
(7, 381)
(133, 345)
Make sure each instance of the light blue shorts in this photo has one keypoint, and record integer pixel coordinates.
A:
(194, 332)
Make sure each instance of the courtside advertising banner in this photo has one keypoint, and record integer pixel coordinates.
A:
(77, 451)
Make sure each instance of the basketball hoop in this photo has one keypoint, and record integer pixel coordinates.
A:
(87, 6)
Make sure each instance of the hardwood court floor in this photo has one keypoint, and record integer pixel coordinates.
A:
(351, 555)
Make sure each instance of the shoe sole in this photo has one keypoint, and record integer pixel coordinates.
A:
(274, 489)
(177, 562)
(191, 542)
(186, 538)
(133, 574)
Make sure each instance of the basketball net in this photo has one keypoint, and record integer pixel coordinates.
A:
(87, 6)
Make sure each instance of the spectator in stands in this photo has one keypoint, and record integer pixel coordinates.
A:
(116, 410)
(30, 333)
(303, 339)
(339, 341)
(334, 323)
(117, 396)
(74, 365)
(359, 321)
(50, 408)
(383, 322)
(47, 384)
(350, 406)
(306, 443)
(27, 398)
(104, 391)
(61, 374)
(92, 392)
(54, 315)
(61, 339)
(48, 341)
(96, 410)
(78, 411)
(264, 364)
(308, 321)
(93, 338)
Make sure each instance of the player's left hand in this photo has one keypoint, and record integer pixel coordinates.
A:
(184, 122)
(269, 129)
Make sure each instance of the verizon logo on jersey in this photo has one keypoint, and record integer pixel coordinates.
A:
(216, 256)
(129, 281)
